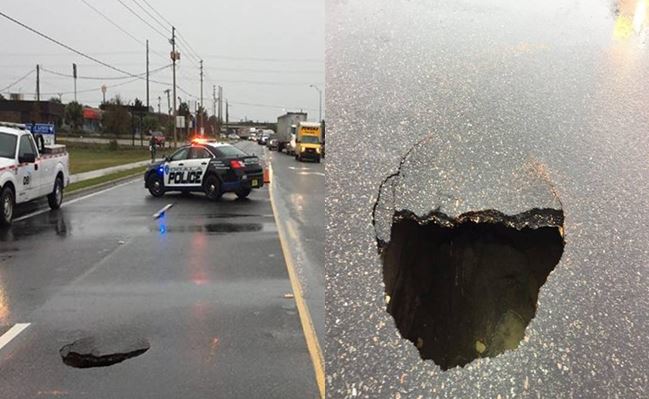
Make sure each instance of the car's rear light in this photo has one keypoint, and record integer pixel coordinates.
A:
(237, 164)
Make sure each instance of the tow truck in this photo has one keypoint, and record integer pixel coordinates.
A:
(205, 166)
(29, 169)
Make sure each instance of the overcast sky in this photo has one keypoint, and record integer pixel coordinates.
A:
(262, 52)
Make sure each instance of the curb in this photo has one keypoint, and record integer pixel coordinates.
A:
(93, 174)
(87, 190)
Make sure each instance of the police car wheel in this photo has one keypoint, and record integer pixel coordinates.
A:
(243, 193)
(212, 187)
(156, 185)
(6, 206)
(55, 198)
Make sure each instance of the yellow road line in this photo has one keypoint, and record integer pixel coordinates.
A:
(305, 317)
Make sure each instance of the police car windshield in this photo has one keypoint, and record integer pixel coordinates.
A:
(7, 145)
(230, 151)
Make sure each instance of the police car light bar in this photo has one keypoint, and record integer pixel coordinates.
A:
(20, 126)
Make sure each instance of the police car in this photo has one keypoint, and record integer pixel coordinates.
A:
(207, 166)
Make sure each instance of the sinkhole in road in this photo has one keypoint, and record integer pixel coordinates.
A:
(464, 290)
(102, 351)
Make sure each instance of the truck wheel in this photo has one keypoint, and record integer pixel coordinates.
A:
(55, 198)
(155, 185)
(317, 160)
(6, 206)
(212, 187)
(243, 193)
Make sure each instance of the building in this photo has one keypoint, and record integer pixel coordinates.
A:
(31, 111)
(91, 120)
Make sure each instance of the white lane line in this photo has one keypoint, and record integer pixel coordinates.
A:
(65, 203)
(12, 333)
(162, 211)
(311, 173)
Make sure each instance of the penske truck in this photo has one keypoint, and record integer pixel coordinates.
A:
(29, 170)
(308, 141)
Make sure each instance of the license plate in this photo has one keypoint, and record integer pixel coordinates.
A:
(255, 183)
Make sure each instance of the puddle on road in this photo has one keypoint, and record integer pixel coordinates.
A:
(44, 223)
(102, 352)
(467, 289)
(219, 228)
(236, 215)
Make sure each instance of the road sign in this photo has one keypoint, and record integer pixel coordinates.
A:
(41, 128)
(46, 129)
(180, 121)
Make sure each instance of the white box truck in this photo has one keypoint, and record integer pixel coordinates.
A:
(286, 126)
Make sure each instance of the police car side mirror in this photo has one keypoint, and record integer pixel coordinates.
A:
(27, 158)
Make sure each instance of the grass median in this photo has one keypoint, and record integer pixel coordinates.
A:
(105, 179)
(86, 157)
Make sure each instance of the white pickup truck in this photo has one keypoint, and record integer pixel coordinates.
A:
(29, 171)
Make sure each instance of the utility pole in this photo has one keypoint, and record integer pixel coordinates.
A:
(227, 115)
(38, 82)
(201, 117)
(214, 100)
(147, 76)
(168, 102)
(220, 105)
(173, 58)
(74, 75)
(320, 97)
(216, 123)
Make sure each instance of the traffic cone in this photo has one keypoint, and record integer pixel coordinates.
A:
(266, 175)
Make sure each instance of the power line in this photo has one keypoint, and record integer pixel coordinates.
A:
(112, 23)
(190, 51)
(265, 70)
(224, 57)
(186, 92)
(156, 11)
(143, 20)
(119, 27)
(258, 82)
(18, 81)
(271, 106)
(66, 46)
(191, 54)
(186, 44)
(85, 90)
(103, 78)
(68, 54)
(151, 16)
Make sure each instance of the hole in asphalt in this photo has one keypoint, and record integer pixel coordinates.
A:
(97, 352)
(463, 289)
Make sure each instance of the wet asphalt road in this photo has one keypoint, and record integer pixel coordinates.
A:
(299, 195)
(205, 285)
(481, 93)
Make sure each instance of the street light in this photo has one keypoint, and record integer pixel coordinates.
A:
(320, 100)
